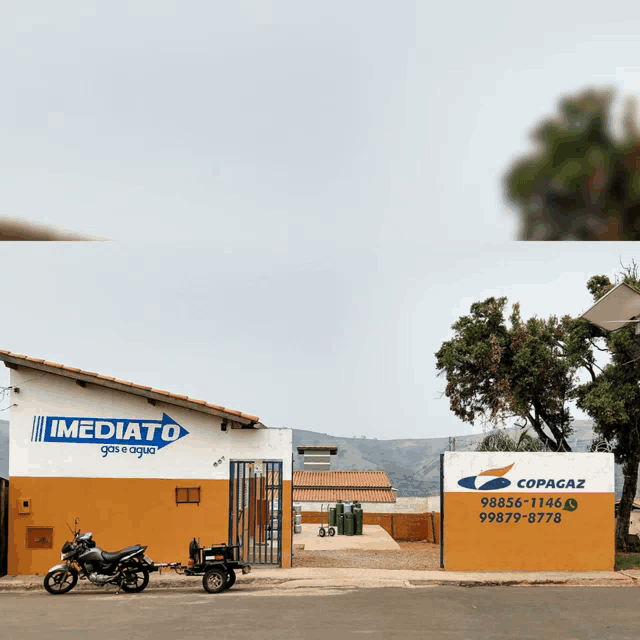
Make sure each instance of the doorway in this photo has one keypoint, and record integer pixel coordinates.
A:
(255, 510)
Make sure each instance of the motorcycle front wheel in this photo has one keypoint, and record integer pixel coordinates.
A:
(57, 583)
(136, 579)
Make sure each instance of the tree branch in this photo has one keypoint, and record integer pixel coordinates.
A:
(537, 427)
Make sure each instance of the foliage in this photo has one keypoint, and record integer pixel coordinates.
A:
(627, 561)
(524, 370)
(583, 184)
(502, 441)
(528, 370)
(613, 400)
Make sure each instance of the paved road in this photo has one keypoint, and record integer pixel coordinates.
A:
(431, 612)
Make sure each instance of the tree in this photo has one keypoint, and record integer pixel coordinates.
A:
(501, 441)
(526, 371)
(613, 401)
(529, 371)
(583, 184)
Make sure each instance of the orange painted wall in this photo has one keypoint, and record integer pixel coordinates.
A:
(400, 526)
(583, 540)
(122, 512)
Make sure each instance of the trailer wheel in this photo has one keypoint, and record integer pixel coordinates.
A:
(231, 578)
(215, 580)
(321, 532)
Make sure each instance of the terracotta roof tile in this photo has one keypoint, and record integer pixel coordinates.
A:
(342, 479)
(131, 384)
(347, 495)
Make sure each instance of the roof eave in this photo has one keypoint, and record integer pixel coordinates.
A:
(232, 417)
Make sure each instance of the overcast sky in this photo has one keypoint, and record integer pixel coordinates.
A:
(330, 340)
(272, 123)
(303, 197)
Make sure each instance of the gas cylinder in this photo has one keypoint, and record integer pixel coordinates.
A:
(348, 524)
(358, 514)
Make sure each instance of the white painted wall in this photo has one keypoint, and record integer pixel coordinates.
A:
(568, 472)
(202, 454)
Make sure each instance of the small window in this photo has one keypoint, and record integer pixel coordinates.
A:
(187, 495)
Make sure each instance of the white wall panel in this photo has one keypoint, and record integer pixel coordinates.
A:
(530, 473)
(121, 435)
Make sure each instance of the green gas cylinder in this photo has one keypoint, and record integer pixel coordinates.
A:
(340, 518)
(339, 507)
(332, 517)
(358, 514)
(348, 524)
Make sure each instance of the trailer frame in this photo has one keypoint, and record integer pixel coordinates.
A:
(217, 564)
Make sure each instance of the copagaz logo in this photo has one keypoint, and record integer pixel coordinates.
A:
(136, 437)
(498, 482)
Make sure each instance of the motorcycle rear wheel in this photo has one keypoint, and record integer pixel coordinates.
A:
(137, 579)
(57, 583)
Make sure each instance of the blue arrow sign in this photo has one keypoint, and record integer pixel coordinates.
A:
(110, 431)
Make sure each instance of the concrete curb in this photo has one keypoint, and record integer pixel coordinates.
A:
(288, 580)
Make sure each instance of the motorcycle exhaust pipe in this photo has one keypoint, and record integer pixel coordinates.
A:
(100, 579)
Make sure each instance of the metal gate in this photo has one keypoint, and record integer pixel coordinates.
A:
(255, 510)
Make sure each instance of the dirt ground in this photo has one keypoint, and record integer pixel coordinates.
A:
(412, 555)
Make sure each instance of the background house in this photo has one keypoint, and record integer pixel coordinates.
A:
(405, 518)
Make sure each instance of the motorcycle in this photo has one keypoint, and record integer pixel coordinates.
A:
(82, 559)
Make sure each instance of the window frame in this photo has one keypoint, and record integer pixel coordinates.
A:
(193, 495)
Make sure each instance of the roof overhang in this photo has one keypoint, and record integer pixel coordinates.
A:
(333, 450)
(234, 419)
(621, 304)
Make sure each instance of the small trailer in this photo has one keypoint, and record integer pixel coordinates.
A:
(216, 564)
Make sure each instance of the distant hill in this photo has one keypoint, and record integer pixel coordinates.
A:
(413, 465)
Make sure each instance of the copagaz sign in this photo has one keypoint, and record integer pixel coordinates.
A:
(124, 436)
(528, 511)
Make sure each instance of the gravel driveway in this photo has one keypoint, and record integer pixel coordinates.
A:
(412, 555)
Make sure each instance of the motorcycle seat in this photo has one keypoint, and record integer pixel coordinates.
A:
(118, 555)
